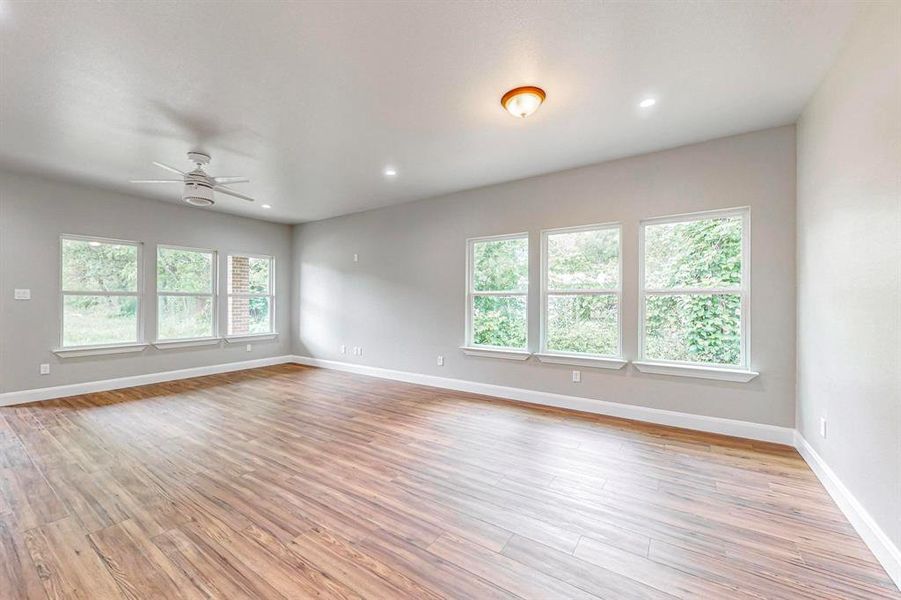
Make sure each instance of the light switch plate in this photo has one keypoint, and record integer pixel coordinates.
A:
(577, 376)
(45, 368)
(22, 294)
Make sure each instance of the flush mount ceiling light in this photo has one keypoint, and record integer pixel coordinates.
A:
(523, 101)
(267, 206)
(647, 103)
(390, 171)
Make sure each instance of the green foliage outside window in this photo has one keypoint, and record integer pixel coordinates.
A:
(500, 266)
(586, 261)
(584, 324)
(186, 271)
(99, 267)
(702, 254)
(499, 321)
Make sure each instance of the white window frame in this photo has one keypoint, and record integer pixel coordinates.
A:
(739, 372)
(213, 295)
(110, 348)
(470, 347)
(238, 337)
(614, 361)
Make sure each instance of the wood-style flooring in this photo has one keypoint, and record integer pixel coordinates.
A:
(293, 482)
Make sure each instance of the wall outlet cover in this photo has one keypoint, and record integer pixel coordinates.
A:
(22, 294)
(45, 368)
(440, 361)
(577, 376)
(249, 347)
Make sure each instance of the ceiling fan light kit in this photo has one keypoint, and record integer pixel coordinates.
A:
(199, 187)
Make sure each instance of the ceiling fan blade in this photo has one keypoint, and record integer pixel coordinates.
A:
(156, 181)
(231, 180)
(168, 168)
(231, 192)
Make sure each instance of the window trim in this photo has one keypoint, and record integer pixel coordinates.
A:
(469, 346)
(584, 359)
(115, 347)
(165, 343)
(671, 367)
(228, 336)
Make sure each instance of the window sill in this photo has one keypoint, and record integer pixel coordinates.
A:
(189, 343)
(98, 350)
(597, 362)
(259, 337)
(487, 352)
(701, 372)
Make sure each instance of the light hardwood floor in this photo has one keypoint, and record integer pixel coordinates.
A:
(293, 482)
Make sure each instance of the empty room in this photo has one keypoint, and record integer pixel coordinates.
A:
(450, 299)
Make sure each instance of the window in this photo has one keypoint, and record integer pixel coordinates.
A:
(695, 289)
(186, 293)
(250, 295)
(497, 289)
(581, 291)
(101, 292)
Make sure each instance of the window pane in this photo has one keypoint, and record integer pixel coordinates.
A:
(89, 320)
(585, 324)
(499, 321)
(583, 260)
(99, 266)
(704, 254)
(248, 315)
(248, 275)
(185, 317)
(184, 271)
(694, 328)
(501, 265)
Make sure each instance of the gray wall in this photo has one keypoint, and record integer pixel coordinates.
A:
(403, 302)
(33, 214)
(849, 267)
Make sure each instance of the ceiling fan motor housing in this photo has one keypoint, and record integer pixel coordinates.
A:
(198, 193)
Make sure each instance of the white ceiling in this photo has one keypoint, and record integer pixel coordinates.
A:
(313, 100)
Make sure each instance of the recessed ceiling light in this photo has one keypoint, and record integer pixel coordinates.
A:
(267, 206)
(93, 244)
(523, 101)
(647, 102)
(390, 171)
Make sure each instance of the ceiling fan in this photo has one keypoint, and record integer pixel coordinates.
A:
(198, 185)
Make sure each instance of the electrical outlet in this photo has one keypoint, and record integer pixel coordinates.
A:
(359, 350)
(22, 294)
(823, 427)
(356, 351)
(45, 368)
(343, 349)
(577, 376)
(249, 347)
(356, 257)
(440, 361)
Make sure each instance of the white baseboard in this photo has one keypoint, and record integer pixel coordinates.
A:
(886, 552)
(743, 429)
(75, 389)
